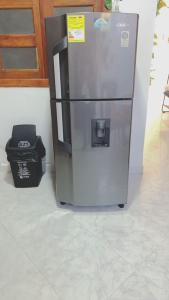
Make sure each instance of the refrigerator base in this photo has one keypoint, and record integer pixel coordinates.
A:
(119, 205)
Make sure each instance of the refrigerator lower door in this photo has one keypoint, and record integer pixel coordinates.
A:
(96, 172)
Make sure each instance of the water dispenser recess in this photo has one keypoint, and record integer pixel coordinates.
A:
(100, 133)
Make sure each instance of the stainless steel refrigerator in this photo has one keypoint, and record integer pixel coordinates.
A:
(91, 62)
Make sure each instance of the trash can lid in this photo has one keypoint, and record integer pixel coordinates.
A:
(23, 136)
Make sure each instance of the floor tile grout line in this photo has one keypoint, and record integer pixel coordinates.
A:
(41, 218)
(125, 280)
(116, 251)
(30, 260)
(74, 237)
(129, 278)
(32, 263)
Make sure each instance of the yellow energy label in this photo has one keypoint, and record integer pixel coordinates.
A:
(76, 28)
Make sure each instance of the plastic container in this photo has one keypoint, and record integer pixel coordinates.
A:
(26, 154)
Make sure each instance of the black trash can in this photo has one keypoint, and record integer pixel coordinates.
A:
(26, 154)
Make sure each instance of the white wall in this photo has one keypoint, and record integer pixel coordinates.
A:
(25, 106)
(160, 67)
(31, 105)
(147, 12)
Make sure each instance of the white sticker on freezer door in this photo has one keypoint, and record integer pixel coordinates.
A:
(125, 39)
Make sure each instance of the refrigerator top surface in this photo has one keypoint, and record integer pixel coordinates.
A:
(102, 14)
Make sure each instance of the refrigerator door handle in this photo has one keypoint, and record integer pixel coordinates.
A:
(63, 127)
(62, 112)
(65, 147)
(60, 46)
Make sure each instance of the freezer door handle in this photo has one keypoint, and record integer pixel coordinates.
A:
(63, 127)
(66, 147)
(60, 57)
(60, 46)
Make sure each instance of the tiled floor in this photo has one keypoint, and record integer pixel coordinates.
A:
(49, 252)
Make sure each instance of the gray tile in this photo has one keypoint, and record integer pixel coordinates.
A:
(131, 235)
(114, 273)
(30, 287)
(156, 267)
(19, 279)
(72, 258)
(52, 234)
(82, 287)
(141, 288)
(13, 263)
(23, 208)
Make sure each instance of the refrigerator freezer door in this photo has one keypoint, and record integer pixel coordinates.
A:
(102, 65)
